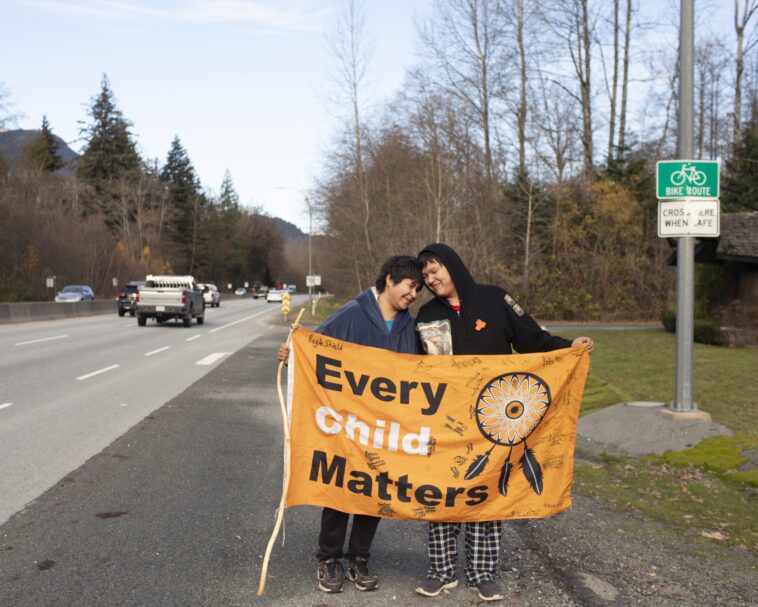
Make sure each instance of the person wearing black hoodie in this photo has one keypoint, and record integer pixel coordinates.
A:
(470, 318)
(377, 317)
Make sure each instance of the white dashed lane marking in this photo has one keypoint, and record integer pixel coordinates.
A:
(193, 337)
(39, 341)
(241, 320)
(97, 372)
(6, 405)
(212, 358)
(158, 350)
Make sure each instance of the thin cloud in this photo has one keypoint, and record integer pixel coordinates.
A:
(240, 12)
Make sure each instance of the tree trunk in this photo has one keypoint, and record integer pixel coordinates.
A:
(522, 107)
(740, 24)
(614, 84)
(701, 110)
(528, 235)
(483, 50)
(624, 81)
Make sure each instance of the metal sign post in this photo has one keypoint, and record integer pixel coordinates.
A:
(685, 258)
(686, 179)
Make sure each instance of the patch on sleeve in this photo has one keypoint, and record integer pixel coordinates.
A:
(512, 303)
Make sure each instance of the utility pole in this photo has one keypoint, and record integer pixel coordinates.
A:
(683, 404)
(310, 252)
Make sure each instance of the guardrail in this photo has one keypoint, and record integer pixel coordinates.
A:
(51, 310)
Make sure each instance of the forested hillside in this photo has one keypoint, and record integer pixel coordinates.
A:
(115, 214)
(525, 135)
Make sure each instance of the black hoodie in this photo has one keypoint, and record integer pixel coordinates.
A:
(489, 321)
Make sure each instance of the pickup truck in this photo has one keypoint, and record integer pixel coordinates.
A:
(211, 296)
(167, 297)
(260, 292)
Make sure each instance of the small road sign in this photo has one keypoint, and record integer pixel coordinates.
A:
(687, 179)
(688, 218)
(313, 280)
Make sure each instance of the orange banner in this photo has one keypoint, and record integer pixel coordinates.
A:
(437, 438)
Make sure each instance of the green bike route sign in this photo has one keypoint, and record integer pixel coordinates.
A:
(687, 179)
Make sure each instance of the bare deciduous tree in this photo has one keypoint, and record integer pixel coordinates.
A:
(352, 54)
(625, 79)
(741, 23)
(466, 45)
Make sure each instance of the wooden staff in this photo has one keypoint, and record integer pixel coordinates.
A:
(286, 480)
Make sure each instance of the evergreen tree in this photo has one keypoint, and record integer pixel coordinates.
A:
(228, 198)
(740, 188)
(180, 176)
(110, 151)
(41, 152)
(188, 202)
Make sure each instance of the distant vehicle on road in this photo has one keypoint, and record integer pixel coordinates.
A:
(167, 297)
(260, 292)
(72, 293)
(127, 297)
(211, 296)
(240, 291)
(275, 295)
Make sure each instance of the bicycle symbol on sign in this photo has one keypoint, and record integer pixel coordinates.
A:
(689, 174)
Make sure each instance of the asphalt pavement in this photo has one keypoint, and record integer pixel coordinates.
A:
(178, 511)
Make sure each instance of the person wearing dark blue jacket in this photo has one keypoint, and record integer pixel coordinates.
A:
(377, 317)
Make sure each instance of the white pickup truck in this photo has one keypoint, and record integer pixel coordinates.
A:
(167, 297)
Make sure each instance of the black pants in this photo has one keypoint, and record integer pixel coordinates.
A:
(331, 538)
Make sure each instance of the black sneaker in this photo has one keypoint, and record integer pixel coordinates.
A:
(357, 572)
(490, 591)
(431, 586)
(329, 575)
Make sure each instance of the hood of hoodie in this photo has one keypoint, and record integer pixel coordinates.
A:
(368, 303)
(462, 278)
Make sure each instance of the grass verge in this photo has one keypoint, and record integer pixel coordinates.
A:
(692, 498)
(701, 489)
(325, 307)
(640, 365)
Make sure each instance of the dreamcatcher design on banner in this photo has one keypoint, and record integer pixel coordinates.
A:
(508, 410)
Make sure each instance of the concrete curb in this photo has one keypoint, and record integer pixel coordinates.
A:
(50, 310)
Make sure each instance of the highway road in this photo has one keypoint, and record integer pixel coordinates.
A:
(69, 388)
(178, 509)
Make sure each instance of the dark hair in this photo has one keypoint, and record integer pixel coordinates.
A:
(399, 268)
(426, 257)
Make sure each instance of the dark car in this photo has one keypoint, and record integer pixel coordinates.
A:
(127, 297)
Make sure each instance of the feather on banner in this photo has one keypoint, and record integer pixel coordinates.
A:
(532, 470)
(505, 474)
(477, 466)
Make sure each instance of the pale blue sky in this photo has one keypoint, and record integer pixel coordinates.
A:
(243, 83)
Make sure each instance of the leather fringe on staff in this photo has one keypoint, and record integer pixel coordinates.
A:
(286, 479)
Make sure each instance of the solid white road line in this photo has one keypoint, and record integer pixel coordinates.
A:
(97, 372)
(193, 337)
(241, 320)
(37, 341)
(158, 350)
(6, 405)
(212, 358)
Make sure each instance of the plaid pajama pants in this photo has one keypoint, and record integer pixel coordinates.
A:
(481, 547)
